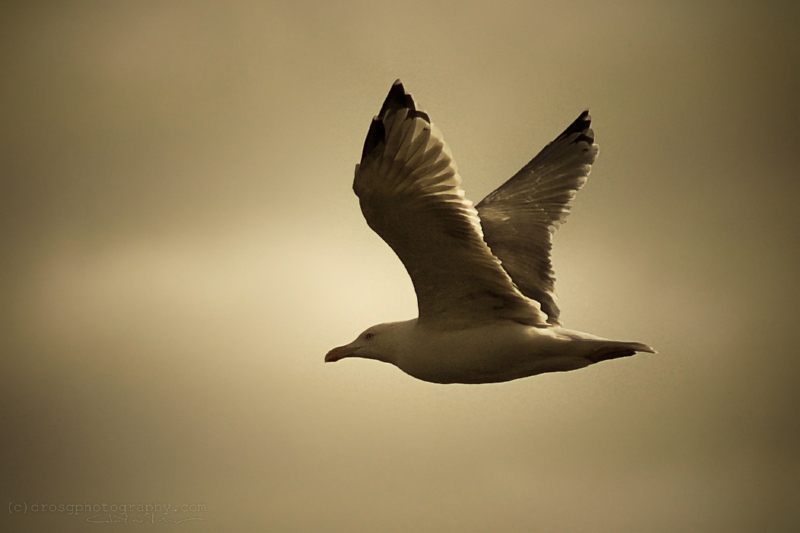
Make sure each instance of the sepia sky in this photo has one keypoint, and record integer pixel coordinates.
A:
(181, 246)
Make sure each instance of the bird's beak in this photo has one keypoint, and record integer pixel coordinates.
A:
(338, 353)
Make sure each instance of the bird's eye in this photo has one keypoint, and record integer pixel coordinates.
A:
(369, 335)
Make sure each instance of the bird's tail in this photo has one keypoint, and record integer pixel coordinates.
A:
(616, 349)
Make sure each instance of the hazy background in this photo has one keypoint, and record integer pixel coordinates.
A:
(181, 246)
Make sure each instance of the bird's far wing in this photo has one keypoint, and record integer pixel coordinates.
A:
(521, 216)
(410, 194)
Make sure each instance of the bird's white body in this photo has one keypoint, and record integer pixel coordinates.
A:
(482, 274)
(489, 353)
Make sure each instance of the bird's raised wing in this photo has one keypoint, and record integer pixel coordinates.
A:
(410, 194)
(521, 216)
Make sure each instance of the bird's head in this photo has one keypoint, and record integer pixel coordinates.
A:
(378, 342)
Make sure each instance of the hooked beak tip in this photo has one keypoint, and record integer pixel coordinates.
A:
(336, 354)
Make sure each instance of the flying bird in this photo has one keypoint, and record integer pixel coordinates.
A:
(482, 274)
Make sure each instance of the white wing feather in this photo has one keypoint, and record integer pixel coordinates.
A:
(520, 217)
(409, 191)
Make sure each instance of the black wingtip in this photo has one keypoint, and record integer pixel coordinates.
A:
(397, 98)
(581, 126)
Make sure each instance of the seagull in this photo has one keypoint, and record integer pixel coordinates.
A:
(482, 274)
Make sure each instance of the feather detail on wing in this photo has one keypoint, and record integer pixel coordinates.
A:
(521, 216)
(409, 191)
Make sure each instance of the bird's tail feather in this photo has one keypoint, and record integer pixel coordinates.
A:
(614, 350)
